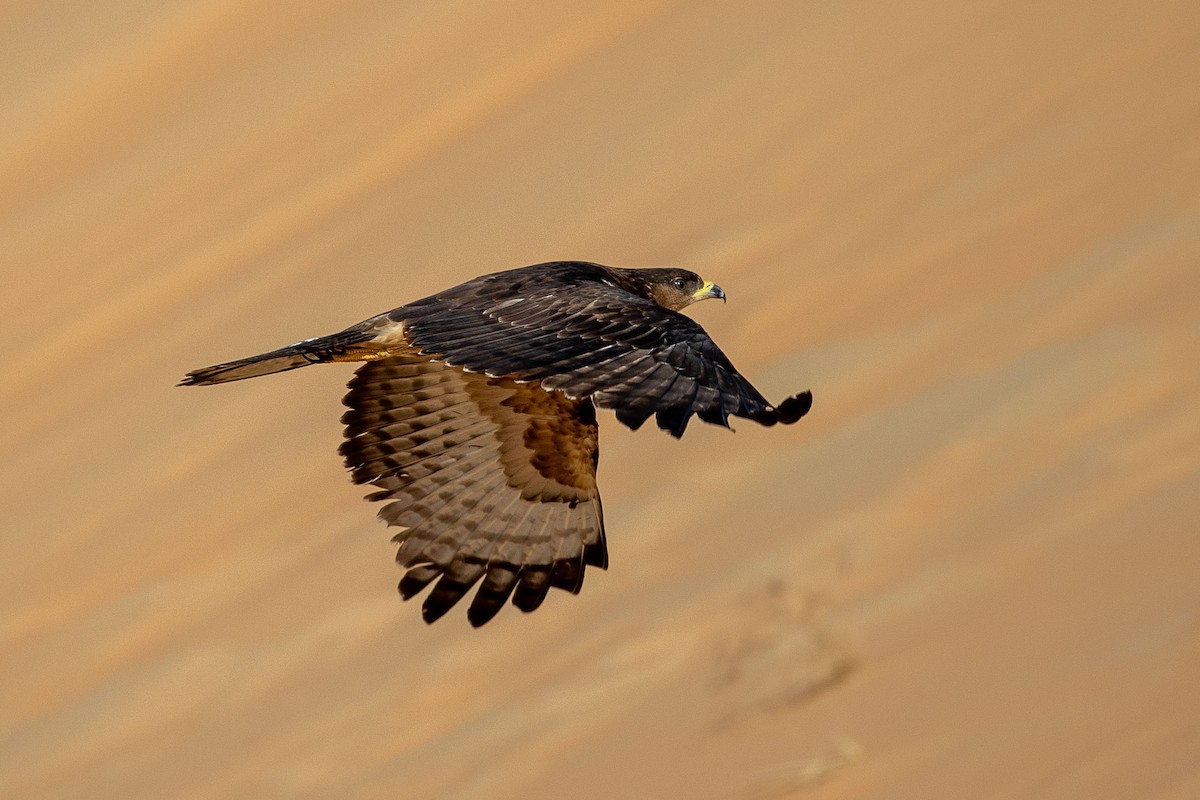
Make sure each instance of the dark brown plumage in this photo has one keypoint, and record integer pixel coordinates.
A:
(475, 416)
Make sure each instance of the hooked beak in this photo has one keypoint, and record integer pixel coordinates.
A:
(709, 289)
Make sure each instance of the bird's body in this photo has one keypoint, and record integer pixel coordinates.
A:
(475, 416)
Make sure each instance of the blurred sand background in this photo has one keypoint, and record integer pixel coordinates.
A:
(973, 230)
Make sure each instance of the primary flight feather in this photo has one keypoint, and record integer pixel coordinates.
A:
(474, 416)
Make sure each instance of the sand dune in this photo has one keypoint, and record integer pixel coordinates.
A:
(972, 231)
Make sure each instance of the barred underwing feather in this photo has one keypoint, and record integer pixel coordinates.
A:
(477, 492)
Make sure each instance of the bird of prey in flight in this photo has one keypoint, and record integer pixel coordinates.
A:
(474, 416)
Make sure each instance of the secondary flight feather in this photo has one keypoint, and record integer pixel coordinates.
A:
(474, 416)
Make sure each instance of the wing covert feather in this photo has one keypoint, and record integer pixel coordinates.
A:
(574, 332)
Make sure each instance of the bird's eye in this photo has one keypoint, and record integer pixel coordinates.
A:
(679, 283)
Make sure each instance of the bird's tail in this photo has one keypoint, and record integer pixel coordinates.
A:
(360, 343)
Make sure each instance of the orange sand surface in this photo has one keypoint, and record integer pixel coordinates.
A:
(973, 230)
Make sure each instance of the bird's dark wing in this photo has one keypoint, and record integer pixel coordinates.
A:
(589, 338)
(491, 480)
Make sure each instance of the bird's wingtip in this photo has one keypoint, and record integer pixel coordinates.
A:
(787, 412)
(794, 407)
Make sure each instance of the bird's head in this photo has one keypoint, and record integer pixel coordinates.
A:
(677, 289)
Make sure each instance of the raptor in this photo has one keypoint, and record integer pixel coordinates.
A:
(473, 414)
